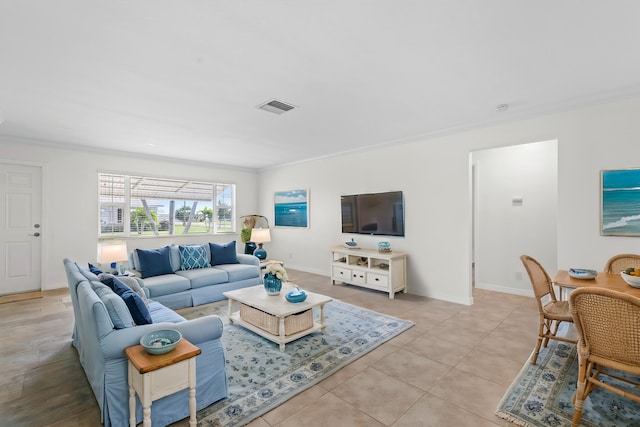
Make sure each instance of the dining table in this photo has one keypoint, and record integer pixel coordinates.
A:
(611, 281)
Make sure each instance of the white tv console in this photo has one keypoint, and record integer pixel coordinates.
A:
(366, 268)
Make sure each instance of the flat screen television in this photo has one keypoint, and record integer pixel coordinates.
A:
(379, 214)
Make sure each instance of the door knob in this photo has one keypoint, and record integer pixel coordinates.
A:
(35, 234)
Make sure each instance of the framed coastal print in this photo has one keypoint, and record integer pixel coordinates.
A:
(291, 208)
(620, 202)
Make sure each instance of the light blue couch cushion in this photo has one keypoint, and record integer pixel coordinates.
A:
(209, 294)
(176, 301)
(204, 276)
(134, 302)
(174, 257)
(133, 260)
(160, 313)
(166, 284)
(116, 307)
(238, 272)
(86, 273)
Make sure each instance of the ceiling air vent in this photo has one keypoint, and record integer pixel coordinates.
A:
(275, 106)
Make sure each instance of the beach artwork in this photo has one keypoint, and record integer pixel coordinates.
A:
(291, 208)
(620, 203)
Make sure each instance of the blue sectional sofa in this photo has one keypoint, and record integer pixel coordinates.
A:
(104, 327)
(183, 276)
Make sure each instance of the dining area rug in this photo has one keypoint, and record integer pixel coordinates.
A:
(542, 395)
(261, 377)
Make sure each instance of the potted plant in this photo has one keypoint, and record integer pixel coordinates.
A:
(245, 235)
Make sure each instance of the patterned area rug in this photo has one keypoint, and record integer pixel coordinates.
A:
(542, 394)
(262, 377)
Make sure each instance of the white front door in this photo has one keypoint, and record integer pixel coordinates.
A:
(20, 228)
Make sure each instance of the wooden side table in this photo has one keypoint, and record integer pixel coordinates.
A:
(154, 376)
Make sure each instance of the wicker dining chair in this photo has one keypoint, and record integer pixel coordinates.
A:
(618, 263)
(552, 312)
(608, 342)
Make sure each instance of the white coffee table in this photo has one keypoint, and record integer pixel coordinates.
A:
(276, 311)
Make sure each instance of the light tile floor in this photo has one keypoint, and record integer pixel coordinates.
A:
(450, 369)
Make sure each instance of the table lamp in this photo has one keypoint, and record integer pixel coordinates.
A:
(111, 254)
(260, 236)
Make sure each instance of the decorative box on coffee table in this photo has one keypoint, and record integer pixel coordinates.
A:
(273, 317)
(293, 323)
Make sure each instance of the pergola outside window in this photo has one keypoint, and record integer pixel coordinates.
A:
(147, 206)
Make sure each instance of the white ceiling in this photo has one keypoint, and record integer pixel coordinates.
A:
(182, 79)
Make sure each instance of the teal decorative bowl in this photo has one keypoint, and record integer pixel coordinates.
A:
(296, 295)
(161, 341)
(581, 273)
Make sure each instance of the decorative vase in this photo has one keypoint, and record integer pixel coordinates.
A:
(249, 247)
(272, 284)
(260, 253)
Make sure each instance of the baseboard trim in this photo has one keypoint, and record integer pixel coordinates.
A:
(504, 289)
(20, 297)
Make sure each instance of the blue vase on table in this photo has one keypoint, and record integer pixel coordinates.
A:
(272, 284)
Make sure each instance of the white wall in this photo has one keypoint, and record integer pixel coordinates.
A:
(435, 176)
(69, 226)
(433, 173)
(437, 221)
(503, 227)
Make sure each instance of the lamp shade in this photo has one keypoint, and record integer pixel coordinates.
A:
(109, 253)
(260, 235)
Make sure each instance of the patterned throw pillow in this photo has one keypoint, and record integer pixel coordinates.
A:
(193, 256)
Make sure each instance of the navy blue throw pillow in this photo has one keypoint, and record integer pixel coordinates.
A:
(154, 262)
(223, 254)
(95, 270)
(135, 304)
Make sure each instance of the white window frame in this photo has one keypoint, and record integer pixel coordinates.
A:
(154, 195)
